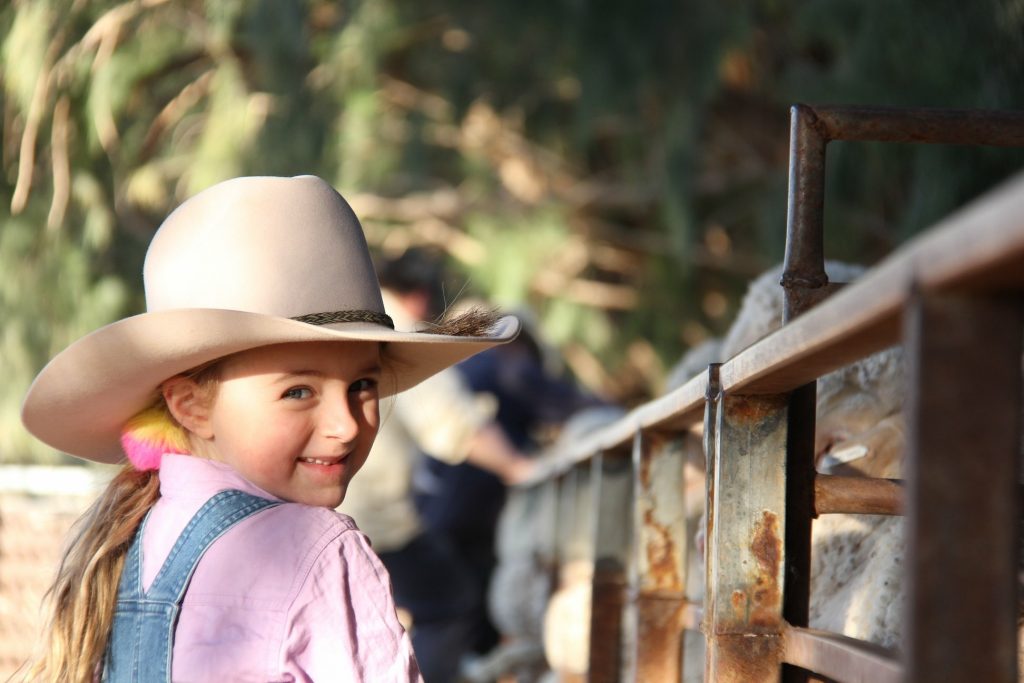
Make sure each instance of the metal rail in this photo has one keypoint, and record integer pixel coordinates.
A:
(806, 283)
(952, 296)
(976, 250)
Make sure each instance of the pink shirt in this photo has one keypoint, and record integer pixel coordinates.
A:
(293, 593)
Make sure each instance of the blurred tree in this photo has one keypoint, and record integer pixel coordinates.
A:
(619, 166)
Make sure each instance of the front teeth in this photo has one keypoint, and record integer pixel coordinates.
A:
(316, 462)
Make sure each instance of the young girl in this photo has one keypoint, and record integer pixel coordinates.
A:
(245, 399)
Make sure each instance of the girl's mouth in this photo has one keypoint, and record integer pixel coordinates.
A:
(319, 461)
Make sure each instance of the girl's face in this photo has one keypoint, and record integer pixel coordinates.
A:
(298, 419)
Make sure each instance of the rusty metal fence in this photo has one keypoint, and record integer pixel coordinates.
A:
(952, 297)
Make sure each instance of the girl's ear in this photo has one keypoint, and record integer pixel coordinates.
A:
(190, 405)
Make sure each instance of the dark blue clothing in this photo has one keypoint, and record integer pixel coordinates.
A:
(461, 503)
(431, 580)
(464, 501)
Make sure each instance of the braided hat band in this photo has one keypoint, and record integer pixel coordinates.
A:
(329, 317)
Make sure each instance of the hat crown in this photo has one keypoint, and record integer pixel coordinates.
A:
(285, 247)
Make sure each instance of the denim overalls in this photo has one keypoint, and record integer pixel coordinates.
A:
(142, 638)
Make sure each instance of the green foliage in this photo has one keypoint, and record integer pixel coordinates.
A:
(517, 248)
(50, 297)
(618, 166)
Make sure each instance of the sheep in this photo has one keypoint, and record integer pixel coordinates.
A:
(539, 595)
(856, 584)
(857, 587)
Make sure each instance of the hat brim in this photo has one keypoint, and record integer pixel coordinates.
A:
(80, 401)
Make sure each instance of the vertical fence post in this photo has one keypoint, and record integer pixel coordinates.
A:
(712, 405)
(659, 561)
(805, 283)
(803, 276)
(746, 555)
(579, 499)
(575, 551)
(546, 530)
(611, 489)
(963, 470)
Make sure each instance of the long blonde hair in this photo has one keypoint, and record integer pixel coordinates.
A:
(83, 597)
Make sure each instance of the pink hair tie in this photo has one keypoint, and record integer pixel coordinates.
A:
(150, 434)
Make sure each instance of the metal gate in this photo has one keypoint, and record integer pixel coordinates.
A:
(953, 298)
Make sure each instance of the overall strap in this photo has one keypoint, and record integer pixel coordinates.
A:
(217, 515)
(142, 639)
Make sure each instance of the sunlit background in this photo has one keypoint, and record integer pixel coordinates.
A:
(618, 168)
(615, 168)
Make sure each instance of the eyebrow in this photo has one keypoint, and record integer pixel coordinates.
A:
(373, 369)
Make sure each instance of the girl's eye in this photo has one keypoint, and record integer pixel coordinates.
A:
(362, 385)
(297, 393)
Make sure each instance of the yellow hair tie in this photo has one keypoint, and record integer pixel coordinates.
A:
(150, 434)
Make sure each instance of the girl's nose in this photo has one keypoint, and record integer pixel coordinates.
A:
(339, 420)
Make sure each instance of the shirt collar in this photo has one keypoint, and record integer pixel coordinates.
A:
(188, 476)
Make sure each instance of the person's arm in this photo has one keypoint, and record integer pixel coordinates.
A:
(491, 450)
(449, 423)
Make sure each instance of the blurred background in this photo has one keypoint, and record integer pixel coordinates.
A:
(618, 167)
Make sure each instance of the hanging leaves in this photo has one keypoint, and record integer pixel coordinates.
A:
(618, 167)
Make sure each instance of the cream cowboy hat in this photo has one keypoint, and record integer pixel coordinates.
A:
(246, 263)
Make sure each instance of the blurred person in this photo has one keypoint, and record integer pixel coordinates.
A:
(462, 502)
(440, 418)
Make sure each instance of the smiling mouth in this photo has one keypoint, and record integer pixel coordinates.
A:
(319, 461)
